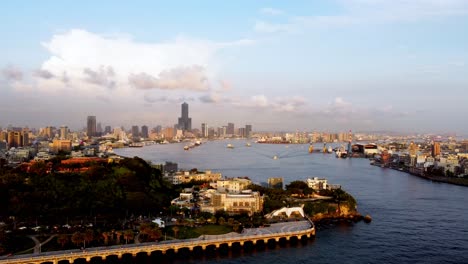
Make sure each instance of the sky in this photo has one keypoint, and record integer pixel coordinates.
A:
(364, 65)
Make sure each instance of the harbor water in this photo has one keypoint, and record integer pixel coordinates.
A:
(414, 220)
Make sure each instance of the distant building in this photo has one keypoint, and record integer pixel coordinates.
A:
(63, 132)
(435, 149)
(317, 184)
(275, 183)
(61, 145)
(185, 123)
(204, 130)
(91, 129)
(230, 129)
(188, 176)
(107, 130)
(144, 132)
(246, 202)
(135, 132)
(248, 131)
(241, 132)
(168, 132)
(234, 185)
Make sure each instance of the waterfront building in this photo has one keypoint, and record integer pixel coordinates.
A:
(91, 129)
(99, 129)
(194, 175)
(204, 130)
(435, 149)
(168, 132)
(241, 132)
(135, 132)
(248, 131)
(230, 129)
(246, 202)
(185, 122)
(232, 185)
(317, 184)
(275, 183)
(144, 132)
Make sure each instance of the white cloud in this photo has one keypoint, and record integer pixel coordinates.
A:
(187, 78)
(271, 11)
(279, 104)
(82, 61)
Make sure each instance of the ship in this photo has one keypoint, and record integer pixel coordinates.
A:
(230, 146)
(311, 148)
(136, 145)
(248, 144)
(186, 147)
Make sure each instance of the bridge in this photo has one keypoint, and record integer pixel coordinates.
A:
(276, 232)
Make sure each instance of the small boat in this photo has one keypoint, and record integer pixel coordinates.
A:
(186, 147)
(311, 148)
(136, 145)
(230, 146)
(275, 157)
(248, 144)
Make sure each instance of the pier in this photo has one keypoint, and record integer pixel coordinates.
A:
(275, 233)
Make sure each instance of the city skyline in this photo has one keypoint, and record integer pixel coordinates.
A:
(335, 65)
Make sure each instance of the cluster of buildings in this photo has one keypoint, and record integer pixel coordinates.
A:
(230, 195)
(435, 159)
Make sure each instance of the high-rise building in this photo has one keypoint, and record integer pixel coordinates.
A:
(248, 131)
(435, 149)
(107, 130)
(15, 139)
(144, 132)
(63, 132)
(185, 123)
(204, 130)
(99, 129)
(135, 132)
(91, 128)
(230, 129)
(241, 132)
(275, 183)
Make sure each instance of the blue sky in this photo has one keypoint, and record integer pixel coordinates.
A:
(326, 65)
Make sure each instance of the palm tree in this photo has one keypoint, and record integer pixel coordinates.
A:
(106, 236)
(175, 229)
(117, 236)
(221, 221)
(77, 238)
(62, 239)
(128, 235)
(88, 237)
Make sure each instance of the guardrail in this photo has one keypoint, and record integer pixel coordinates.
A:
(134, 249)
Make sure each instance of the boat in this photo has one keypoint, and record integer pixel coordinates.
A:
(186, 147)
(136, 145)
(230, 146)
(197, 143)
(275, 157)
(311, 148)
(248, 144)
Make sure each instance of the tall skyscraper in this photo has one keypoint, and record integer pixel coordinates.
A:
(248, 131)
(107, 130)
(185, 123)
(435, 149)
(99, 129)
(204, 130)
(144, 132)
(135, 132)
(63, 132)
(91, 126)
(230, 129)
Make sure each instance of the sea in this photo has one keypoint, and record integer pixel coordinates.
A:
(414, 220)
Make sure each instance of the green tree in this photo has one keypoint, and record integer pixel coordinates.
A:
(128, 235)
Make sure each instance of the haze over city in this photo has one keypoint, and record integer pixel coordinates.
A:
(344, 64)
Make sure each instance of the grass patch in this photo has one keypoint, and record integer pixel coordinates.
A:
(21, 245)
(186, 232)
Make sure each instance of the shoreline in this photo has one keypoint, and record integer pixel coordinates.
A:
(449, 180)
